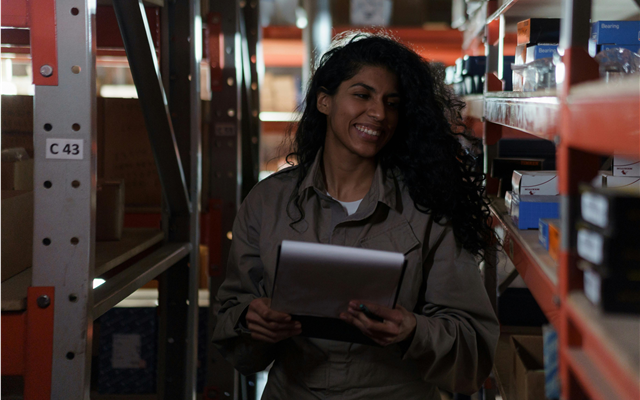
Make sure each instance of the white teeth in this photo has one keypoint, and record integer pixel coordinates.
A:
(368, 131)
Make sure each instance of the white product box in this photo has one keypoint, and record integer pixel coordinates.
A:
(625, 165)
(535, 183)
(631, 183)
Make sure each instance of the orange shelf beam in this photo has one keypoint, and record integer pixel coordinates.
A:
(543, 289)
(604, 119)
(604, 356)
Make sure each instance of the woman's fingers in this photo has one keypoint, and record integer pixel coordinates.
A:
(397, 325)
(268, 325)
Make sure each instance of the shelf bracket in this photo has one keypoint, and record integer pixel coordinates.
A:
(145, 70)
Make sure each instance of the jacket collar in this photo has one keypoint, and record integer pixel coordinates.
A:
(383, 187)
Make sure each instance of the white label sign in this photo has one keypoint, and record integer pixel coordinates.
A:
(65, 149)
(595, 209)
(590, 246)
(126, 351)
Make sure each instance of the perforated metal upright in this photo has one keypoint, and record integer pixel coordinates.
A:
(65, 194)
(225, 140)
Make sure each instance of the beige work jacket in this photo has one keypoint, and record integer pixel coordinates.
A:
(457, 330)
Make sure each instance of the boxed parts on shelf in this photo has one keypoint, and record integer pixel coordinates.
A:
(502, 168)
(615, 32)
(538, 30)
(17, 232)
(535, 183)
(539, 51)
(528, 375)
(526, 211)
(612, 210)
(626, 165)
(549, 236)
(631, 183)
(615, 251)
(109, 209)
(612, 294)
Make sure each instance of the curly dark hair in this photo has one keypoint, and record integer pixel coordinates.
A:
(440, 173)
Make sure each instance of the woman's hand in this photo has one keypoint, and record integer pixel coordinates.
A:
(398, 325)
(268, 325)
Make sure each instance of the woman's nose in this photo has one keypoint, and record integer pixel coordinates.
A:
(376, 111)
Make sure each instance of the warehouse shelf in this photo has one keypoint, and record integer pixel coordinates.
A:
(14, 291)
(537, 268)
(108, 256)
(598, 107)
(134, 241)
(518, 10)
(611, 343)
(536, 113)
(589, 376)
(116, 289)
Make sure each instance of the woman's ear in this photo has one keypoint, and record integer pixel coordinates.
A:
(323, 102)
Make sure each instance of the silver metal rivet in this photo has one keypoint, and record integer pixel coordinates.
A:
(231, 112)
(46, 70)
(43, 301)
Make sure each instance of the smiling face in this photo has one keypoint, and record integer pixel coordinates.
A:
(363, 113)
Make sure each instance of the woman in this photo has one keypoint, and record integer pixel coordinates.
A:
(379, 165)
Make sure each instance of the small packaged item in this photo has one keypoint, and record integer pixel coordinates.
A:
(617, 62)
(535, 183)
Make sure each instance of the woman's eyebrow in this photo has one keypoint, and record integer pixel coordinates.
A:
(372, 89)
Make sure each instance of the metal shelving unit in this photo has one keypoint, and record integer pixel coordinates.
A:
(49, 309)
(599, 353)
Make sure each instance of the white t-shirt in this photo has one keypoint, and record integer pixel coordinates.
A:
(350, 206)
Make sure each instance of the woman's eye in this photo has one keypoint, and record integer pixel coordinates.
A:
(362, 95)
(394, 105)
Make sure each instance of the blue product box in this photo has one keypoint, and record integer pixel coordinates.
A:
(541, 51)
(526, 211)
(543, 233)
(616, 32)
(631, 47)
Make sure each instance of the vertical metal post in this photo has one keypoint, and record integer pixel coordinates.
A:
(178, 289)
(316, 36)
(252, 67)
(64, 192)
(226, 174)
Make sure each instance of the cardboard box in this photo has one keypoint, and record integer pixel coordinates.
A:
(503, 167)
(539, 30)
(541, 51)
(615, 32)
(528, 379)
(17, 175)
(128, 154)
(17, 232)
(526, 211)
(109, 210)
(535, 183)
(626, 165)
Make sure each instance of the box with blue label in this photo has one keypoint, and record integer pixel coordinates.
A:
(527, 211)
(541, 51)
(616, 32)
